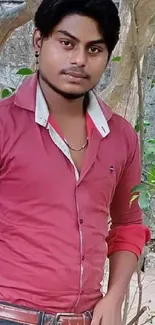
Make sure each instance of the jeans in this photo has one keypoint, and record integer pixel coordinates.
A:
(8, 322)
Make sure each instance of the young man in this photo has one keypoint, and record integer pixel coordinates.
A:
(67, 162)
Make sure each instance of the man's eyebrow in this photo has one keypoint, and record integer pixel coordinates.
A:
(68, 34)
(98, 41)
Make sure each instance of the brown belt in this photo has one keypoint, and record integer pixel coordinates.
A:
(29, 317)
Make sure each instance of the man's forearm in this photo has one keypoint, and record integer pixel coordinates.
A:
(122, 266)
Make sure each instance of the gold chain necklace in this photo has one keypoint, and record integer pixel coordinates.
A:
(75, 149)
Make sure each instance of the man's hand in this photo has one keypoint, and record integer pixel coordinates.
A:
(107, 312)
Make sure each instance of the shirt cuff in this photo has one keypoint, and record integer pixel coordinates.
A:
(130, 238)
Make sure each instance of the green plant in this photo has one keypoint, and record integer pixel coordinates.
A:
(6, 92)
(145, 192)
(152, 83)
(116, 59)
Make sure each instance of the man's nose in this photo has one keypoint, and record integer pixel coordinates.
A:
(78, 57)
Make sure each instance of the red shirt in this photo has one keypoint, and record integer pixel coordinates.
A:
(54, 235)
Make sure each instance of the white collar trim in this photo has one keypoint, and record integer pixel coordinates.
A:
(97, 116)
(94, 111)
(41, 111)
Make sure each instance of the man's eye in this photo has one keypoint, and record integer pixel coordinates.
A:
(94, 50)
(67, 44)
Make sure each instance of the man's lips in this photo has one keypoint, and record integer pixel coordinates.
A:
(76, 74)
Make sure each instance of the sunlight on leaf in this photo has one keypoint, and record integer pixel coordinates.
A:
(151, 141)
(151, 175)
(134, 197)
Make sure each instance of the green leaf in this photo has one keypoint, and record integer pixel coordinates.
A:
(151, 141)
(24, 72)
(146, 123)
(149, 150)
(6, 93)
(149, 158)
(153, 83)
(137, 127)
(116, 59)
(144, 201)
(149, 153)
(151, 175)
(139, 188)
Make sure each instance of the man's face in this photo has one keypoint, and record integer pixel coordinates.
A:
(74, 57)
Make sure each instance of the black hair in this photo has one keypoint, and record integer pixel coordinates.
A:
(104, 12)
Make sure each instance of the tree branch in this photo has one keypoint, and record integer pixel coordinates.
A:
(139, 79)
(142, 311)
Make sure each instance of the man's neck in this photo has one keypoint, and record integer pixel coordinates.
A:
(61, 106)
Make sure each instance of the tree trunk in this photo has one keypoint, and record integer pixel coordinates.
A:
(14, 14)
(122, 93)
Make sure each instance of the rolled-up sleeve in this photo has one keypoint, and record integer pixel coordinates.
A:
(127, 232)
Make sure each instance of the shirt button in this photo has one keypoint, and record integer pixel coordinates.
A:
(83, 258)
(81, 221)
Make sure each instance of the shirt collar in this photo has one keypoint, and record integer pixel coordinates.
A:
(94, 111)
(30, 97)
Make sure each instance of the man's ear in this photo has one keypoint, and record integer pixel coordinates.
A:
(37, 40)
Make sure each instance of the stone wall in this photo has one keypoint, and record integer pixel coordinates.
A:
(17, 53)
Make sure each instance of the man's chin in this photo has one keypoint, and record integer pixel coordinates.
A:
(71, 95)
(67, 92)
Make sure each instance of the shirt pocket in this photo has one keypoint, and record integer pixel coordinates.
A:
(101, 184)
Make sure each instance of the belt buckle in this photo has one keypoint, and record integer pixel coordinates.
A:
(69, 315)
(87, 314)
(58, 315)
